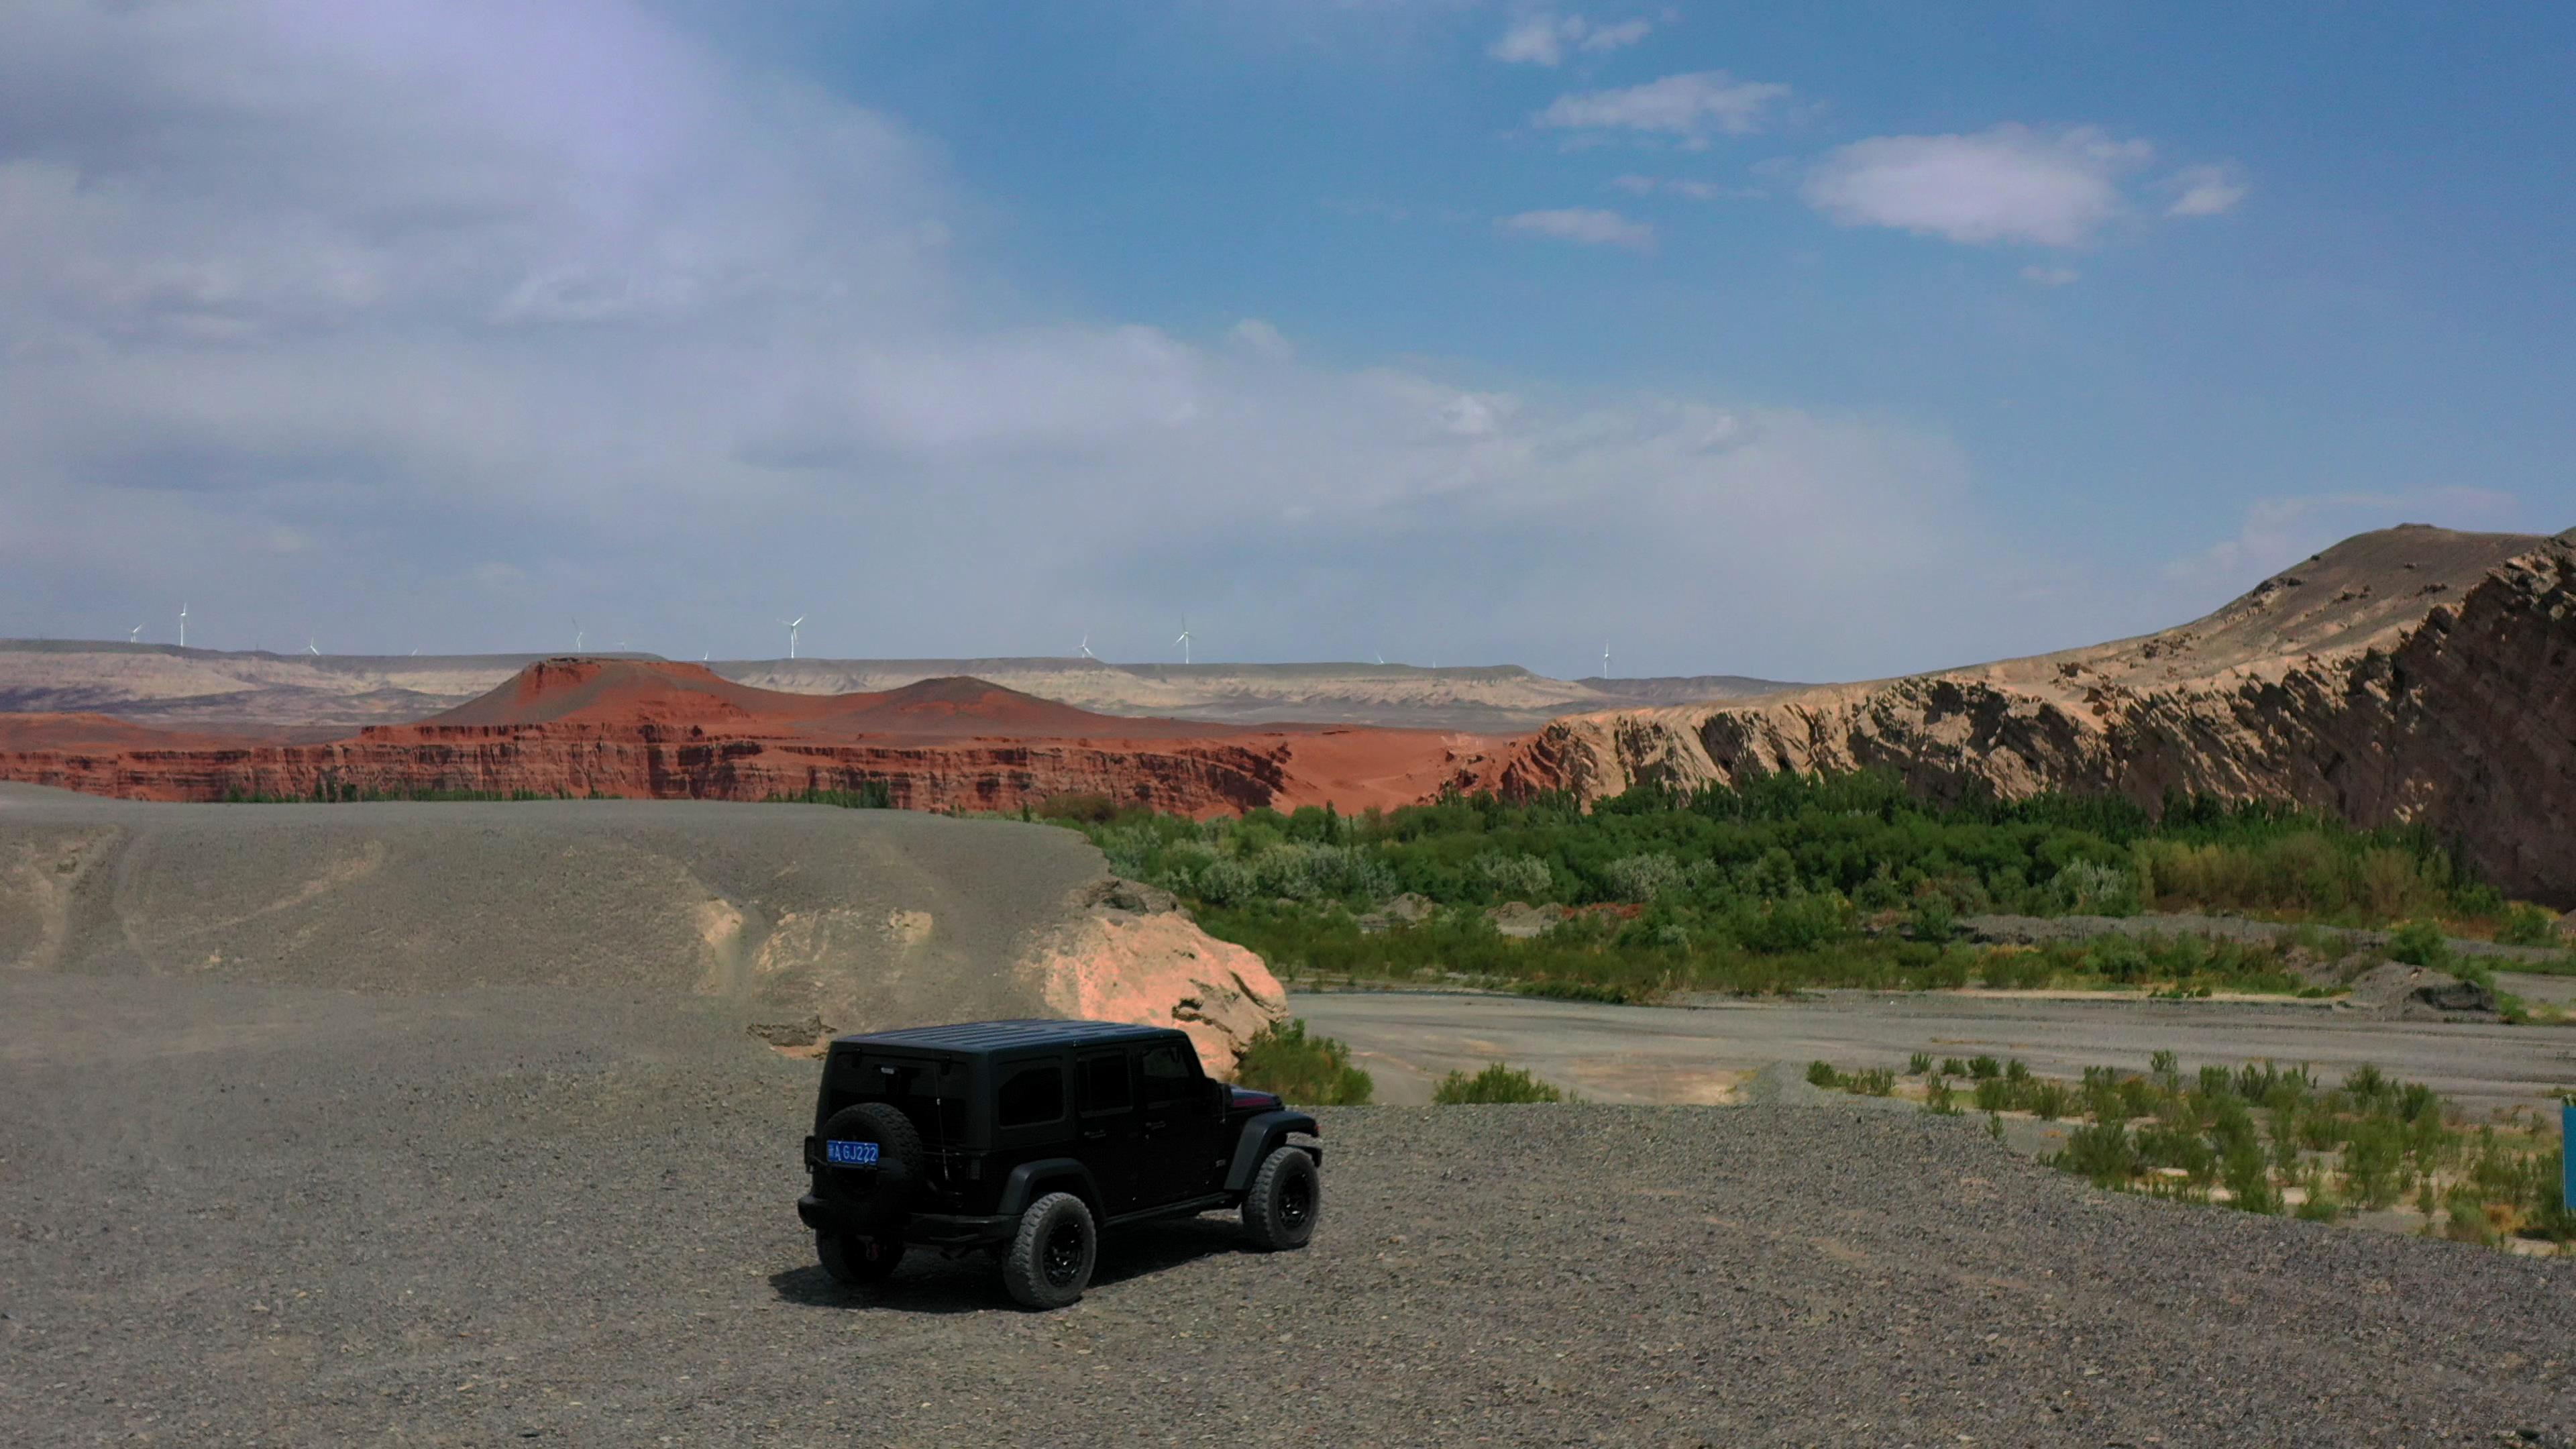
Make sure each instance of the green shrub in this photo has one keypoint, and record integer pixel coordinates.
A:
(1919, 1064)
(1640, 877)
(2320, 1206)
(1994, 1094)
(1822, 1074)
(1953, 1067)
(1080, 809)
(1984, 1068)
(2100, 1151)
(2420, 943)
(1496, 1083)
(2048, 1101)
(2527, 926)
(1872, 1082)
(1939, 1097)
(1310, 1071)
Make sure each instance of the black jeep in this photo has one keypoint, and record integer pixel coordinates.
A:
(1024, 1138)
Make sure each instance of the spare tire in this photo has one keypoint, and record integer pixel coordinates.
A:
(876, 1198)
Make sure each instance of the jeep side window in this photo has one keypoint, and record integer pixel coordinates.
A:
(1167, 1077)
(1030, 1096)
(1104, 1083)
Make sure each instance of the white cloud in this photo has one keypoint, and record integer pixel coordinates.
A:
(1695, 190)
(1578, 224)
(2049, 276)
(1613, 37)
(2204, 191)
(1258, 336)
(499, 314)
(1541, 38)
(1688, 106)
(2007, 184)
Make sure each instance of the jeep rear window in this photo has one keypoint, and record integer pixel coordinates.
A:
(1029, 1096)
(933, 1094)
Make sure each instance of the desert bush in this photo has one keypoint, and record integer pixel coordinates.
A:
(1993, 1094)
(2094, 888)
(2048, 1101)
(2527, 925)
(1984, 1068)
(1872, 1082)
(2101, 1151)
(1516, 876)
(1919, 1064)
(1222, 882)
(2420, 943)
(1822, 1074)
(1310, 1071)
(1496, 1083)
(1640, 877)
(1953, 1067)
(2372, 1156)
(1078, 809)
(1939, 1097)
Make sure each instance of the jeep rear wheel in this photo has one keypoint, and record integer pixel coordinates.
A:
(1053, 1252)
(1286, 1198)
(856, 1262)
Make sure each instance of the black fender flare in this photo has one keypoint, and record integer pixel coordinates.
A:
(1260, 1134)
(1020, 1188)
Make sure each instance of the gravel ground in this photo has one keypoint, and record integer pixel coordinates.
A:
(261, 1213)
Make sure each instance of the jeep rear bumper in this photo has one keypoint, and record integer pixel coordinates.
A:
(946, 1230)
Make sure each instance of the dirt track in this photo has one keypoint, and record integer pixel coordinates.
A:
(1660, 1054)
(562, 1215)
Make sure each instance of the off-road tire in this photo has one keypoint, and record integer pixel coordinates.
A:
(1286, 1198)
(1053, 1252)
(880, 1208)
(856, 1262)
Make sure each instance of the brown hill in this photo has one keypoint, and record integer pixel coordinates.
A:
(324, 696)
(2414, 675)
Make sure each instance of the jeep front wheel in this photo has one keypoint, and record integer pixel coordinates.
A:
(1279, 1211)
(1052, 1254)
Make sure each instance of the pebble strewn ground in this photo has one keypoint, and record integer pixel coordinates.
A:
(562, 1216)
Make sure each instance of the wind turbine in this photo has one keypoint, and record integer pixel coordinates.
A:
(183, 626)
(1381, 656)
(1184, 640)
(1086, 646)
(1605, 659)
(134, 635)
(309, 649)
(576, 635)
(792, 626)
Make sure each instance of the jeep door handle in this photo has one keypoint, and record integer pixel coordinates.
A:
(1156, 1126)
(1095, 1134)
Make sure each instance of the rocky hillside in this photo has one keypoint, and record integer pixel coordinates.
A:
(2414, 675)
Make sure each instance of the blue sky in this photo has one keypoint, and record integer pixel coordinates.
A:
(1814, 342)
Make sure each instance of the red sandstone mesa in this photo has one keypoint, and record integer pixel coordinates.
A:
(678, 731)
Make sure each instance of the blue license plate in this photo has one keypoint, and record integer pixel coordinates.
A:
(850, 1154)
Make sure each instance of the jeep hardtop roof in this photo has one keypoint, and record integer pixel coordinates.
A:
(991, 1036)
